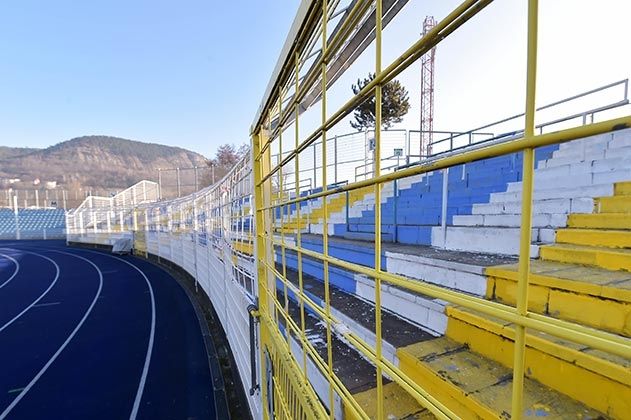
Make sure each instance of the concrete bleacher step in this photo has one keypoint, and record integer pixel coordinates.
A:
(622, 188)
(367, 236)
(555, 192)
(397, 404)
(355, 372)
(474, 386)
(539, 220)
(600, 221)
(552, 181)
(599, 380)
(501, 240)
(591, 296)
(313, 215)
(599, 237)
(358, 315)
(549, 206)
(615, 204)
(420, 310)
(598, 256)
(564, 168)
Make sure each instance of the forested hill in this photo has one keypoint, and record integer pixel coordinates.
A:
(99, 162)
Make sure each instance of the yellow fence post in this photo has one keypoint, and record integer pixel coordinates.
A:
(377, 172)
(258, 166)
(526, 215)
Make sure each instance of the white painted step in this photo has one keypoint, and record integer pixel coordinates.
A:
(540, 220)
(555, 205)
(494, 240)
(427, 313)
(595, 147)
(596, 190)
(578, 181)
(587, 141)
(584, 167)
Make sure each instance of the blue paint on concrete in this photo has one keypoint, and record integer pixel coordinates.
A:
(411, 214)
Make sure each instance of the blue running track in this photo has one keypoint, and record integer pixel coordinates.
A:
(88, 335)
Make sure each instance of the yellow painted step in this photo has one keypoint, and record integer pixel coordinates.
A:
(600, 221)
(622, 188)
(243, 247)
(397, 404)
(474, 386)
(286, 230)
(587, 295)
(608, 258)
(334, 205)
(619, 204)
(602, 383)
(597, 237)
(293, 224)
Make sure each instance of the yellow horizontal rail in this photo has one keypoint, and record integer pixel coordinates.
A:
(425, 398)
(467, 156)
(584, 335)
(449, 24)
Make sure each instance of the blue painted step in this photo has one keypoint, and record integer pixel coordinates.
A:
(368, 236)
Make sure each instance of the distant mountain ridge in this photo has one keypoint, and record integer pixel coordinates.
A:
(99, 162)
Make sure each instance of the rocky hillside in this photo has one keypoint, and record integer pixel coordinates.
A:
(98, 162)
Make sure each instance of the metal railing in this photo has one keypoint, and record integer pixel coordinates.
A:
(465, 139)
(272, 274)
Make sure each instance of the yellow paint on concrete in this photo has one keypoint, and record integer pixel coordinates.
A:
(598, 237)
(579, 279)
(600, 221)
(608, 258)
(603, 314)
(583, 278)
(474, 386)
(397, 403)
(335, 204)
(446, 391)
(243, 247)
(592, 304)
(505, 291)
(561, 365)
(615, 204)
(622, 188)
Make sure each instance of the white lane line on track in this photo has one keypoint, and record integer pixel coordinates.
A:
(145, 370)
(15, 273)
(17, 399)
(41, 305)
(40, 296)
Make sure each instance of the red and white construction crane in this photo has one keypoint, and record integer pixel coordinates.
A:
(427, 93)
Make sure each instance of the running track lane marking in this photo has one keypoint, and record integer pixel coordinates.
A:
(40, 296)
(17, 268)
(17, 399)
(145, 370)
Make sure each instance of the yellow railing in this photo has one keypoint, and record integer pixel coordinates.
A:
(295, 398)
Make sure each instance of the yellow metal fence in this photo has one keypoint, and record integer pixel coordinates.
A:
(268, 137)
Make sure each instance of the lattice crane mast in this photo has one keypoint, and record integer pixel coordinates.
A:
(427, 93)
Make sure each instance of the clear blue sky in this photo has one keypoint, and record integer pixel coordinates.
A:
(192, 72)
(189, 73)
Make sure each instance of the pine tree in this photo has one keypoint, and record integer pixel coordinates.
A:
(394, 105)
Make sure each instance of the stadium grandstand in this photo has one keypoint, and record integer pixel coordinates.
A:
(32, 223)
(355, 276)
